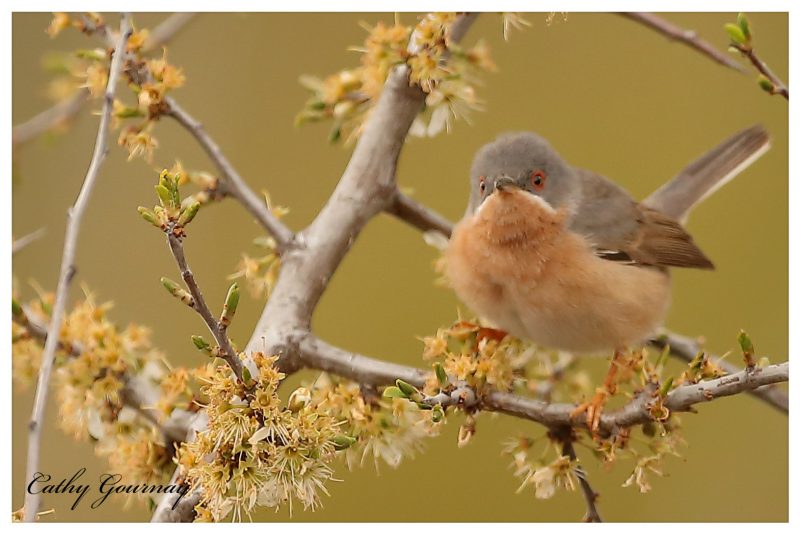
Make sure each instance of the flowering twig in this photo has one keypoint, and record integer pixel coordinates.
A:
(66, 109)
(137, 394)
(217, 329)
(686, 349)
(565, 435)
(687, 37)
(232, 183)
(74, 218)
(775, 86)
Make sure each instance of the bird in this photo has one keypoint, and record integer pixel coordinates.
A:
(565, 258)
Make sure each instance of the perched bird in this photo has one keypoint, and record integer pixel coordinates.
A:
(565, 258)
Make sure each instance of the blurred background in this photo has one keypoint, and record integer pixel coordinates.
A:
(608, 93)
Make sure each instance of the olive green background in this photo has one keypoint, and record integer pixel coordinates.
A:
(609, 94)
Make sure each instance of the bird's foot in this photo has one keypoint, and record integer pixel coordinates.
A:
(593, 410)
(490, 334)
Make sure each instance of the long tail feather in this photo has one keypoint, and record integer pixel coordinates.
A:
(705, 175)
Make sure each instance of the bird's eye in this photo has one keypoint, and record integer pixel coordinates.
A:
(537, 179)
(483, 184)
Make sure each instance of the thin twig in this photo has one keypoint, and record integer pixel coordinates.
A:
(74, 218)
(220, 334)
(682, 35)
(26, 240)
(778, 87)
(64, 110)
(685, 349)
(590, 496)
(232, 183)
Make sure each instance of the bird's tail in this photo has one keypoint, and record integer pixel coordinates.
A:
(705, 175)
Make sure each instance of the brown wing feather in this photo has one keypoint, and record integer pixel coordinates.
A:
(662, 241)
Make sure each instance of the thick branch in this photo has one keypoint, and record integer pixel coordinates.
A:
(228, 353)
(232, 183)
(68, 108)
(687, 37)
(685, 349)
(74, 218)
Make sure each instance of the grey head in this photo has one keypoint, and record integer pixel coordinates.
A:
(524, 160)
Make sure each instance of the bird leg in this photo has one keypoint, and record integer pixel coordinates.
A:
(594, 408)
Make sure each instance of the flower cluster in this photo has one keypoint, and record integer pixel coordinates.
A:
(149, 78)
(385, 429)
(256, 450)
(545, 476)
(94, 362)
(442, 69)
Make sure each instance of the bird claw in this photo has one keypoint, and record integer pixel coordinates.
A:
(594, 411)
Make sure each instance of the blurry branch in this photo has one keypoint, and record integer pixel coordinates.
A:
(682, 35)
(217, 329)
(232, 183)
(49, 118)
(64, 110)
(26, 240)
(685, 349)
(67, 270)
(137, 394)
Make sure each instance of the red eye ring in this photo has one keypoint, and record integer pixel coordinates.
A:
(482, 184)
(537, 179)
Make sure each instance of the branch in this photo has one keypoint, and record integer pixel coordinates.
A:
(316, 354)
(74, 218)
(589, 495)
(232, 183)
(229, 354)
(778, 87)
(685, 349)
(687, 37)
(26, 240)
(69, 107)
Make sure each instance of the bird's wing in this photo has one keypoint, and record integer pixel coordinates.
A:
(621, 229)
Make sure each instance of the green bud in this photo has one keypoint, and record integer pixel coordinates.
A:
(665, 387)
(393, 392)
(437, 414)
(765, 84)
(735, 33)
(229, 308)
(96, 54)
(335, 135)
(148, 216)
(201, 343)
(744, 25)
(177, 291)
(407, 389)
(441, 375)
(662, 358)
(247, 377)
(163, 195)
(342, 442)
(748, 351)
(188, 214)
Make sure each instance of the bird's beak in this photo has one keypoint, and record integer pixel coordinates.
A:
(503, 182)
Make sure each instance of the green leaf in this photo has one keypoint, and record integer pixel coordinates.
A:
(765, 84)
(406, 388)
(231, 303)
(393, 392)
(744, 25)
(342, 442)
(201, 343)
(441, 375)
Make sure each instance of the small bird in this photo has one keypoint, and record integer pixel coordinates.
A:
(565, 258)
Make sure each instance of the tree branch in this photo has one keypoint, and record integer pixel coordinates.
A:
(229, 354)
(687, 37)
(316, 354)
(685, 349)
(778, 87)
(232, 183)
(66, 109)
(74, 218)
(26, 240)
(590, 496)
